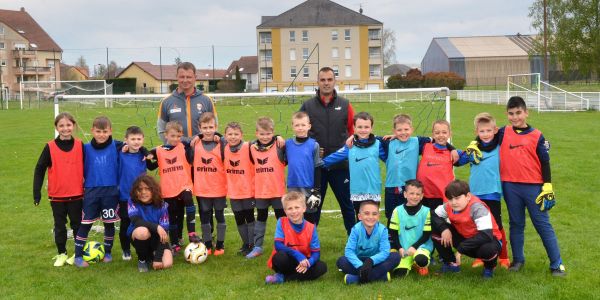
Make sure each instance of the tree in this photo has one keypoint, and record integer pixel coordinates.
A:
(239, 84)
(81, 62)
(389, 47)
(573, 33)
(100, 70)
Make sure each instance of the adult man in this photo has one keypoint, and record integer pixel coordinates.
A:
(185, 104)
(331, 119)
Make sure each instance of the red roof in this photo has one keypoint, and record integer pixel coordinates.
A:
(169, 72)
(247, 65)
(21, 22)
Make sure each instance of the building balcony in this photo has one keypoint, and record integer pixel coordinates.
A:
(24, 54)
(32, 70)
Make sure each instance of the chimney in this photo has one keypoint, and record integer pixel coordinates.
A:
(22, 8)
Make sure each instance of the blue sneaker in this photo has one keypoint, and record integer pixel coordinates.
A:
(107, 258)
(487, 273)
(274, 279)
(351, 279)
(256, 252)
(80, 263)
(450, 268)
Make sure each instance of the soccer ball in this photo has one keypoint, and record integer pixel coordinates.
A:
(195, 253)
(93, 252)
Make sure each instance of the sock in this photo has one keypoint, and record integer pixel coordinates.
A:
(173, 233)
(243, 231)
(220, 244)
(221, 228)
(251, 233)
(109, 237)
(259, 233)
(142, 248)
(190, 217)
(504, 251)
(81, 238)
(206, 235)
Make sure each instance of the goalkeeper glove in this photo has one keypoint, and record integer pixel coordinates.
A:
(545, 200)
(314, 200)
(474, 153)
(365, 270)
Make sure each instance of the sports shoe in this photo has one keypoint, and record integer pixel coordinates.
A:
(194, 238)
(450, 268)
(274, 279)
(516, 266)
(175, 248)
(424, 271)
(219, 252)
(244, 250)
(504, 263)
(559, 272)
(351, 279)
(71, 260)
(80, 263)
(388, 276)
(60, 260)
(142, 266)
(126, 255)
(477, 263)
(487, 273)
(107, 258)
(256, 252)
(209, 251)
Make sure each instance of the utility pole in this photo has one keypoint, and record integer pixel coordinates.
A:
(546, 41)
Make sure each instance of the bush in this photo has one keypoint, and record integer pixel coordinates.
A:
(231, 85)
(122, 85)
(413, 79)
(450, 80)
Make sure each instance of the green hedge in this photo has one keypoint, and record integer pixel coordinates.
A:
(122, 85)
(414, 79)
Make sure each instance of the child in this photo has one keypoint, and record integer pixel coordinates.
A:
(526, 183)
(63, 157)
(365, 177)
(210, 183)
(465, 223)
(174, 167)
(101, 197)
(435, 169)
(402, 161)
(132, 164)
(297, 247)
(269, 179)
(239, 170)
(367, 256)
(304, 165)
(410, 231)
(149, 224)
(484, 178)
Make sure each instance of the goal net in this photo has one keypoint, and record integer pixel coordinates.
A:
(35, 93)
(543, 96)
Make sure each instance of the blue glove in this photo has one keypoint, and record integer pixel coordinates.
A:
(545, 200)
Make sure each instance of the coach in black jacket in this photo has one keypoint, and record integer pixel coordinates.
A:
(331, 119)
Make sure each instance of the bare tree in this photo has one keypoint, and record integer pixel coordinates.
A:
(81, 62)
(389, 47)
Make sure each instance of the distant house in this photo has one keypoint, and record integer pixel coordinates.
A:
(394, 69)
(248, 66)
(316, 33)
(482, 60)
(73, 73)
(149, 76)
(27, 52)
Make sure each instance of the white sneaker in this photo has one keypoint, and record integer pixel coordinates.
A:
(126, 256)
(60, 260)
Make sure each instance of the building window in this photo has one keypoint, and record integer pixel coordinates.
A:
(305, 35)
(292, 54)
(265, 37)
(347, 53)
(335, 52)
(346, 34)
(50, 63)
(374, 52)
(375, 70)
(305, 73)
(293, 72)
(292, 36)
(334, 35)
(305, 53)
(3, 62)
(336, 70)
(266, 73)
(267, 55)
(374, 34)
(348, 71)
(2, 45)
(1, 29)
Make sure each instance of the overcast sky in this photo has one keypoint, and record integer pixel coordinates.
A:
(133, 30)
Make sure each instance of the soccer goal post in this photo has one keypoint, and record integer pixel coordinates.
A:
(542, 95)
(40, 91)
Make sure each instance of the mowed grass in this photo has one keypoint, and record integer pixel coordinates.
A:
(27, 245)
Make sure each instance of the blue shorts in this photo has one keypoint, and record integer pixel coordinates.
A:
(100, 202)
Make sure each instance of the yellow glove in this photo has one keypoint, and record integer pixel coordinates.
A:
(545, 200)
(474, 153)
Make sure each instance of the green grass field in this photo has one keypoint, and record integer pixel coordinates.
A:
(27, 244)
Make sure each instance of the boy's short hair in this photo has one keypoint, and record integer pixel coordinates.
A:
(300, 115)
(484, 118)
(206, 117)
(363, 115)
(368, 202)
(402, 119)
(456, 188)
(441, 122)
(516, 102)
(293, 196)
(234, 125)
(413, 182)
(173, 125)
(64, 115)
(186, 66)
(265, 123)
(133, 130)
(102, 122)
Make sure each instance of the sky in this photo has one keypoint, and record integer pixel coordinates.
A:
(155, 31)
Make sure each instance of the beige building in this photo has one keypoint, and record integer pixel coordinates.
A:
(27, 52)
(294, 45)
